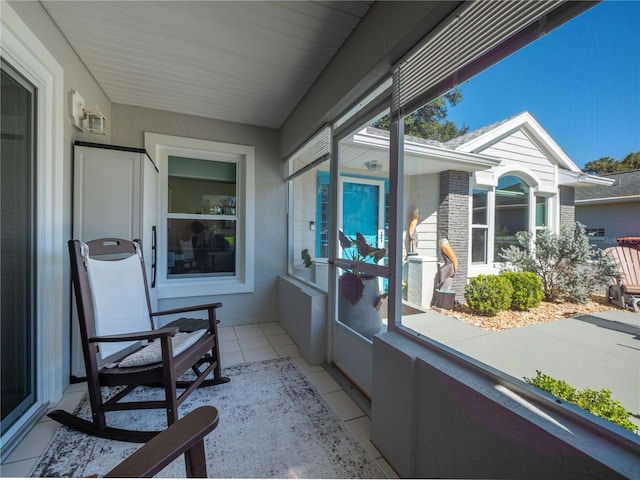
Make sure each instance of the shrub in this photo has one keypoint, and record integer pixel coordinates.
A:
(488, 294)
(527, 289)
(570, 268)
(598, 403)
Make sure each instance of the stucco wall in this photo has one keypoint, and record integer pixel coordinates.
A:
(130, 123)
(435, 418)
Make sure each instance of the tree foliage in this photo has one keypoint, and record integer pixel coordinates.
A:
(606, 165)
(430, 121)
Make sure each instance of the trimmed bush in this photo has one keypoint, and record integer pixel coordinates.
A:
(488, 294)
(596, 402)
(527, 289)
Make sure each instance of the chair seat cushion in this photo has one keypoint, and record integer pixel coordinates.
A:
(152, 352)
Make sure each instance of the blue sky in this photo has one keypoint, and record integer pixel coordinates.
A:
(581, 82)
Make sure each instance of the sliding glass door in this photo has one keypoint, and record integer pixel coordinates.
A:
(17, 246)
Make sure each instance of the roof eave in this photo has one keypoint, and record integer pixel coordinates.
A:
(579, 179)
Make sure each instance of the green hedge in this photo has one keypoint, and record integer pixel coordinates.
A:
(488, 294)
(598, 403)
(527, 289)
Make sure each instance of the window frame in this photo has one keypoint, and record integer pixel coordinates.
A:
(161, 147)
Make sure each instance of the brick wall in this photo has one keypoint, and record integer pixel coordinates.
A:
(453, 222)
(567, 207)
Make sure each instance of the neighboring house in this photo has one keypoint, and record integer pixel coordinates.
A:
(611, 212)
(482, 188)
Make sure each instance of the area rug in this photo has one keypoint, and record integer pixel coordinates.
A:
(273, 424)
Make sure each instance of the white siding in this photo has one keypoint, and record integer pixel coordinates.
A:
(426, 189)
(519, 150)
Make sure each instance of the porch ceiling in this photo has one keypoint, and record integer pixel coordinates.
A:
(246, 62)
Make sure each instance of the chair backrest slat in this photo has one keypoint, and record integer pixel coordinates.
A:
(628, 260)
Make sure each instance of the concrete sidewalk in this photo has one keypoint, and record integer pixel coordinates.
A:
(595, 351)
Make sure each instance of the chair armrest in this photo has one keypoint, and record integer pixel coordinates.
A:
(184, 436)
(187, 309)
(135, 336)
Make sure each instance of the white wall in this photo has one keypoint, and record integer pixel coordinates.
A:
(129, 124)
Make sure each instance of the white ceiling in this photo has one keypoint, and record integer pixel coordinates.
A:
(247, 62)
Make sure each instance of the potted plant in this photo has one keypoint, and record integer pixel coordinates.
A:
(360, 299)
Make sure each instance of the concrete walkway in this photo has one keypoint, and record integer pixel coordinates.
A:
(595, 351)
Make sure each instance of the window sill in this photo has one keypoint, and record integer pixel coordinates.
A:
(202, 288)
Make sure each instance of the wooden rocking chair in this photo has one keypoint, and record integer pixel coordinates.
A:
(115, 317)
(625, 292)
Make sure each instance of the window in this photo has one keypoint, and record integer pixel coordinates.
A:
(309, 171)
(511, 213)
(479, 222)
(595, 232)
(206, 225)
(201, 219)
(542, 208)
(520, 193)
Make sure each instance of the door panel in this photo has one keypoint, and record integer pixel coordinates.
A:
(17, 246)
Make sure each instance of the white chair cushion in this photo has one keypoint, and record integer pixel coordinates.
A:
(152, 352)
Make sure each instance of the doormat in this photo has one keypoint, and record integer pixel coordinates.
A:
(273, 424)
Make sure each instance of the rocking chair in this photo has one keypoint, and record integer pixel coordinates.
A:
(122, 349)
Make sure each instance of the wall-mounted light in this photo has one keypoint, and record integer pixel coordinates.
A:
(94, 121)
(374, 166)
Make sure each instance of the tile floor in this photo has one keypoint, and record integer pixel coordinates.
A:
(249, 343)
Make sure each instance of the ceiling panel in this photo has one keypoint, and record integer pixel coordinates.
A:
(246, 62)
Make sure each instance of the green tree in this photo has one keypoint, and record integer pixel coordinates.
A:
(606, 165)
(602, 166)
(630, 162)
(430, 121)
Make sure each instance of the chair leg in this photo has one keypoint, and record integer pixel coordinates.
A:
(195, 461)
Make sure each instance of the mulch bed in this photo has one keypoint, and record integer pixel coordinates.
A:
(546, 312)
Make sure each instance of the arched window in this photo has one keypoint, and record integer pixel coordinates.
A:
(511, 212)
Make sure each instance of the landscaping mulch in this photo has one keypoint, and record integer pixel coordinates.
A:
(546, 312)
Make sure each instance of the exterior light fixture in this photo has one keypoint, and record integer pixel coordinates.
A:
(374, 166)
(94, 121)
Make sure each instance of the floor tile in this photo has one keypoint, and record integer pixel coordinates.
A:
(76, 387)
(260, 354)
(305, 367)
(272, 328)
(227, 346)
(226, 333)
(280, 339)
(361, 428)
(69, 402)
(253, 343)
(344, 407)
(323, 382)
(19, 469)
(287, 351)
(248, 331)
(231, 358)
(35, 442)
(386, 468)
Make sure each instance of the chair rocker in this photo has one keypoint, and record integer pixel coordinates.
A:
(116, 322)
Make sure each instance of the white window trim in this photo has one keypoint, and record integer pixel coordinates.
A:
(160, 147)
(24, 51)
